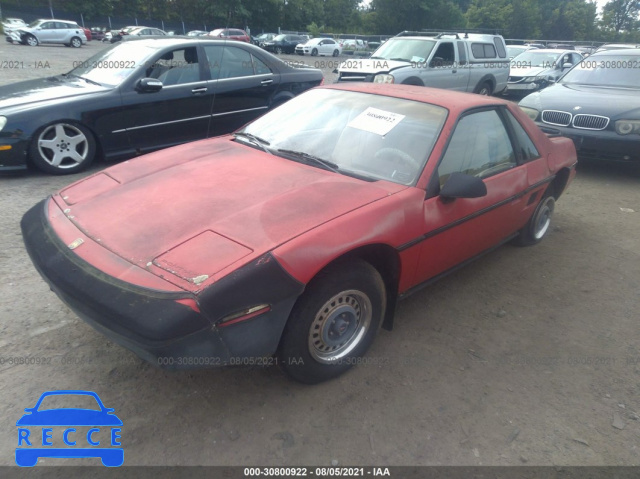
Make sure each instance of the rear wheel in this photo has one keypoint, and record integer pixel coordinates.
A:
(76, 42)
(336, 53)
(62, 148)
(334, 322)
(484, 89)
(538, 224)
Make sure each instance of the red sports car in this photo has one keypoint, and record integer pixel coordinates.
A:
(291, 240)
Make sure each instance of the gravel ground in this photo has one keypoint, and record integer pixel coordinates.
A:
(527, 356)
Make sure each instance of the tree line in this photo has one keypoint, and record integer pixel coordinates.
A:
(526, 19)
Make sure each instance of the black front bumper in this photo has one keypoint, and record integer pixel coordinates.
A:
(154, 324)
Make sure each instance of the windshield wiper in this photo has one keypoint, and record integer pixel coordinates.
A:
(254, 140)
(81, 78)
(377, 58)
(398, 59)
(325, 164)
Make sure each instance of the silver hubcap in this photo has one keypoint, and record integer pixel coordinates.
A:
(75, 42)
(543, 218)
(63, 146)
(32, 41)
(339, 326)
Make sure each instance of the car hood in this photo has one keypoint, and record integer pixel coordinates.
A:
(611, 102)
(371, 66)
(23, 95)
(216, 199)
(529, 71)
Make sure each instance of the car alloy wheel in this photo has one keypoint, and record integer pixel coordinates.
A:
(484, 89)
(314, 52)
(32, 41)
(76, 42)
(336, 53)
(278, 50)
(542, 218)
(63, 148)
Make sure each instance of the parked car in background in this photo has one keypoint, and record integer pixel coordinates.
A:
(231, 34)
(617, 46)
(129, 32)
(10, 24)
(471, 62)
(108, 36)
(296, 236)
(561, 46)
(284, 43)
(49, 31)
(116, 36)
(353, 45)
(97, 33)
(138, 96)
(319, 46)
(586, 50)
(515, 50)
(535, 69)
(87, 33)
(262, 38)
(597, 104)
(197, 33)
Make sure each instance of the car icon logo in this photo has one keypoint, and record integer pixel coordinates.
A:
(69, 432)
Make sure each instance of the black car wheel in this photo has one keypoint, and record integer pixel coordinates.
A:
(336, 53)
(278, 50)
(334, 322)
(76, 42)
(314, 52)
(538, 224)
(62, 148)
(31, 41)
(484, 89)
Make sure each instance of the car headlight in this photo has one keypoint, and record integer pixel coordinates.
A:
(530, 112)
(384, 78)
(627, 127)
(3, 122)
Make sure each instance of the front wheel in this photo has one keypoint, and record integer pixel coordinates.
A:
(334, 322)
(31, 41)
(539, 224)
(62, 148)
(278, 50)
(314, 52)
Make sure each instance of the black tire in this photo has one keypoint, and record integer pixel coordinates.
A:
(484, 89)
(333, 323)
(62, 148)
(31, 41)
(314, 52)
(539, 223)
(75, 42)
(336, 53)
(279, 50)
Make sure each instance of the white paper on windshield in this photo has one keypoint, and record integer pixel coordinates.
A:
(376, 121)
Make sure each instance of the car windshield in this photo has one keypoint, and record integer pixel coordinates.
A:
(534, 58)
(609, 71)
(368, 136)
(409, 50)
(114, 65)
(279, 38)
(66, 401)
(35, 23)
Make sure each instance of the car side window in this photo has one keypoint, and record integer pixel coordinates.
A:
(444, 56)
(527, 149)
(176, 67)
(228, 62)
(260, 67)
(48, 25)
(480, 146)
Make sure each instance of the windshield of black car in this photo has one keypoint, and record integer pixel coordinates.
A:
(112, 66)
(279, 38)
(607, 70)
(372, 136)
(407, 49)
(534, 58)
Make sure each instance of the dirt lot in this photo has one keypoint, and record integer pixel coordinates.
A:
(528, 356)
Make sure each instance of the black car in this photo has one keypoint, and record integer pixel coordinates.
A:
(597, 103)
(284, 43)
(139, 96)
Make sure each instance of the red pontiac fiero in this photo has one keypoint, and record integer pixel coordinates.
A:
(291, 240)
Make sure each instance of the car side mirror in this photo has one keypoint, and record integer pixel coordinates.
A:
(461, 185)
(149, 85)
(566, 65)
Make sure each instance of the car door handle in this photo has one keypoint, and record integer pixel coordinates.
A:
(266, 82)
(196, 91)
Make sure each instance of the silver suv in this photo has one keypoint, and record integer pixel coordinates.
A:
(49, 31)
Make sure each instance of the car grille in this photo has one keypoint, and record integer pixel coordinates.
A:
(554, 117)
(590, 122)
(351, 77)
(515, 79)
